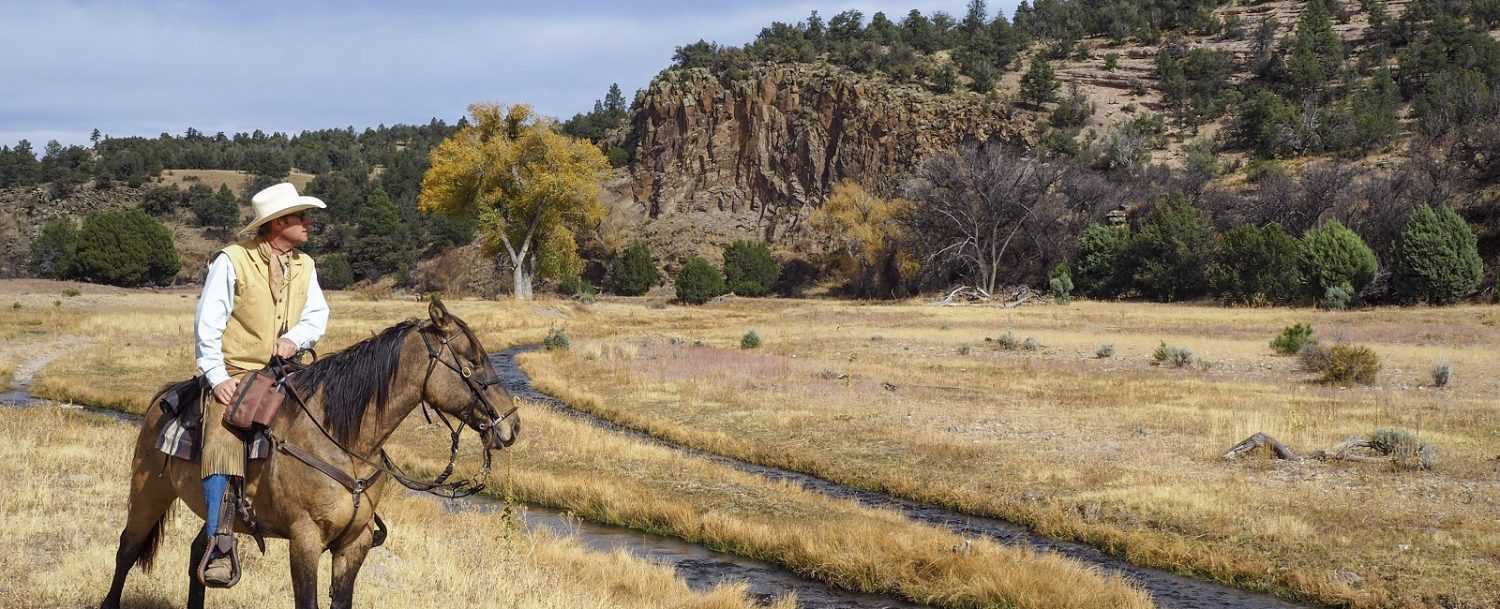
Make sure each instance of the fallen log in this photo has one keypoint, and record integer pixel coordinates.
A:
(1396, 447)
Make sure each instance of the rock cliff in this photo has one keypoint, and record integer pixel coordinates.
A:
(715, 158)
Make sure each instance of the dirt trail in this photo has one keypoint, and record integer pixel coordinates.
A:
(37, 356)
(1167, 590)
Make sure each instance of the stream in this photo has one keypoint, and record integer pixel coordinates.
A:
(1167, 590)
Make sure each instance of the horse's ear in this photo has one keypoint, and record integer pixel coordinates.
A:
(440, 316)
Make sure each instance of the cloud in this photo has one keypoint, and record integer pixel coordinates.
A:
(136, 68)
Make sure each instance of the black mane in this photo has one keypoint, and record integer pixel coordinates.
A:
(351, 379)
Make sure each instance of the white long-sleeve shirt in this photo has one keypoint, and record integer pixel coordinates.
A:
(217, 302)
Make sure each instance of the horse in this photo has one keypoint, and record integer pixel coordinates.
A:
(350, 404)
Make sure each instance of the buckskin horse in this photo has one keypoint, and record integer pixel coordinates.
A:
(342, 408)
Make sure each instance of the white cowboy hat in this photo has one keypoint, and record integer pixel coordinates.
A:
(278, 201)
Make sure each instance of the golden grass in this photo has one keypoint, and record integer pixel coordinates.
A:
(64, 474)
(214, 178)
(1115, 452)
(609, 478)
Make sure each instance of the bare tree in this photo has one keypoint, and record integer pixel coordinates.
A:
(981, 208)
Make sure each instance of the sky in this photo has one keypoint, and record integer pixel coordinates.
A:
(133, 68)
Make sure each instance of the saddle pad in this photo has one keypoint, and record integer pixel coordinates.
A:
(182, 435)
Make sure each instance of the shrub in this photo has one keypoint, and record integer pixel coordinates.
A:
(1313, 357)
(964, 349)
(1176, 356)
(750, 340)
(1061, 283)
(1008, 341)
(1292, 339)
(632, 272)
(749, 268)
(53, 252)
(699, 281)
(1255, 264)
(1442, 372)
(1348, 364)
(1101, 267)
(557, 340)
(1337, 297)
(1405, 450)
(334, 272)
(1111, 61)
(1031, 344)
(71, 292)
(1104, 350)
(128, 249)
(1436, 259)
(1171, 252)
(1333, 256)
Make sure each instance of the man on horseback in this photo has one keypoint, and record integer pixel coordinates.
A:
(260, 298)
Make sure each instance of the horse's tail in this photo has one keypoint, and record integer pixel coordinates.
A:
(153, 541)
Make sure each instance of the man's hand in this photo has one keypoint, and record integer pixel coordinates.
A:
(224, 392)
(285, 347)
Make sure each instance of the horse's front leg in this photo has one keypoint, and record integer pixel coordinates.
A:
(346, 563)
(306, 545)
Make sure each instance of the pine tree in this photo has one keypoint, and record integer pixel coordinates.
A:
(632, 272)
(1334, 257)
(1316, 51)
(699, 281)
(1437, 257)
(1039, 84)
(749, 268)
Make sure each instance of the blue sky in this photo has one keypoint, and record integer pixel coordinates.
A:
(144, 68)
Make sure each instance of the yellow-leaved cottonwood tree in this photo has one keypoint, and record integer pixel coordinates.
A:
(531, 189)
(866, 240)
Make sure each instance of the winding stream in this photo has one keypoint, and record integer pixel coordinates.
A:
(1167, 590)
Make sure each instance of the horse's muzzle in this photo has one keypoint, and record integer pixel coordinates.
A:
(504, 432)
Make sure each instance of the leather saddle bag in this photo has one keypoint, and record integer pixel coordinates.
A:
(256, 402)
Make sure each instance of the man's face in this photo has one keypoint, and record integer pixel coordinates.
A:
(293, 227)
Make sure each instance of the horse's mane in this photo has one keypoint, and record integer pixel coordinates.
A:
(353, 378)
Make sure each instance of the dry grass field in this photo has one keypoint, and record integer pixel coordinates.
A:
(1113, 451)
(214, 178)
(120, 346)
(63, 472)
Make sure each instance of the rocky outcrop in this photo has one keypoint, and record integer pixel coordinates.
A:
(753, 157)
(24, 211)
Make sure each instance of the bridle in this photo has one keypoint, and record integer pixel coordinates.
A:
(488, 412)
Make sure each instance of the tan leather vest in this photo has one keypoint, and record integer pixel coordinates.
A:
(256, 321)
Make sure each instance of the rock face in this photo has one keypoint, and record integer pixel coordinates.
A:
(24, 211)
(717, 159)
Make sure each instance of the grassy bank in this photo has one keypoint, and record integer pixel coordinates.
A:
(139, 340)
(65, 478)
(1113, 451)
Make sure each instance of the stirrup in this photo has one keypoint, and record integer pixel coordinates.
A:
(220, 547)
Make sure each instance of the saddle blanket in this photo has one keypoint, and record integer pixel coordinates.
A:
(183, 433)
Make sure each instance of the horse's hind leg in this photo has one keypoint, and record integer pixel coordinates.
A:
(346, 563)
(195, 587)
(150, 498)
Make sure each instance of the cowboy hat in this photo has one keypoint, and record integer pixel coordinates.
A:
(277, 201)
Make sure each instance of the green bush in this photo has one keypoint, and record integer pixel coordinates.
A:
(1333, 256)
(1101, 267)
(749, 268)
(1405, 450)
(1255, 265)
(128, 248)
(1337, 297)
(1061, 283)
(1104, 350)
(53, 253)
(1176, 356)
(557, 340)
(1436, 259)
(1348, 364)
(632, 272)
(1171, 251)
(1008, 341)
(1031, 344)
(334, 272)
(750, 340)
(699, 281)
(1442, 373)
(1292, 339)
